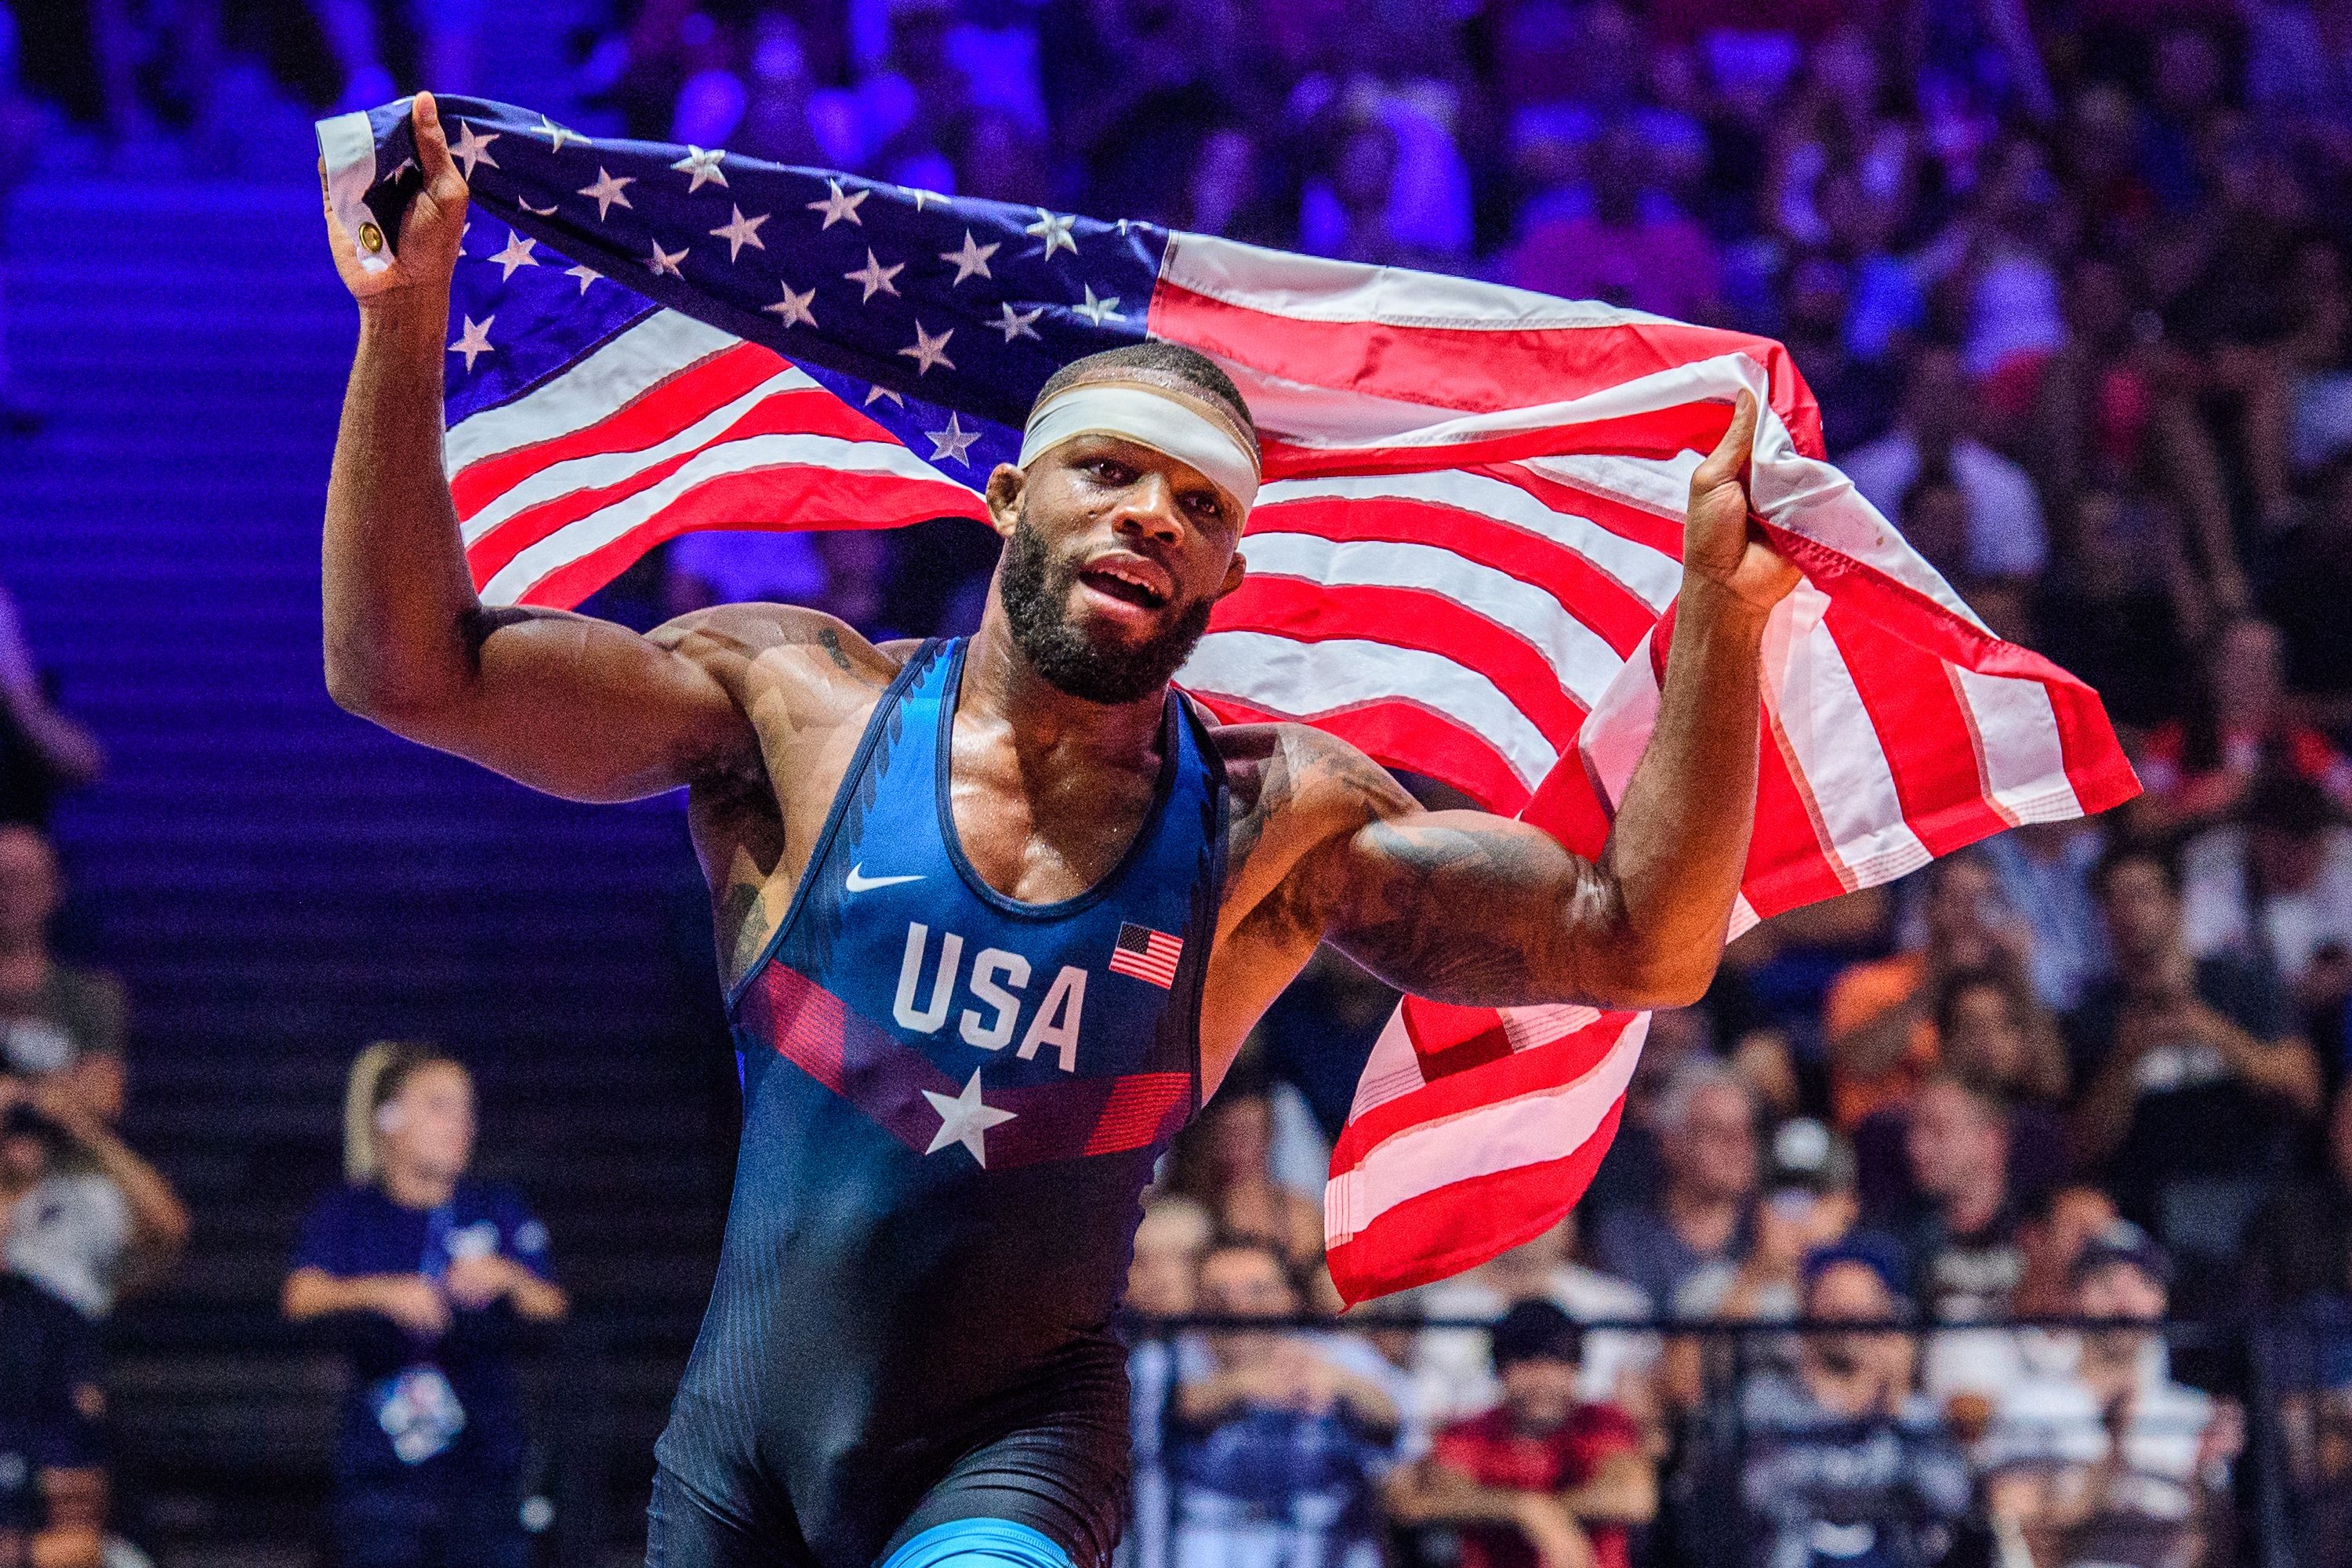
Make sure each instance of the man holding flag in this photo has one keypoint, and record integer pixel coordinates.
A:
(998, 913)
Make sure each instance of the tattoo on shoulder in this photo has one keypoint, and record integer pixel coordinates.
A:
(831, 641)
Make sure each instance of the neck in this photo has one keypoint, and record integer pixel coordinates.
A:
(1000, 683)
(412, 1188)
(1704, 1220)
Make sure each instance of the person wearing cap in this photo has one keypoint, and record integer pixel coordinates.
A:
(1840, 1460)
(2110, 1461)
(1544, 1478)
(996, 913)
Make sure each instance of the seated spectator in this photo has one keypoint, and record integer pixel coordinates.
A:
(51, 1015)
(432, 1273)
(1705, 1123)
(2042, 871)
(2274, 889)
(1971, 1370)
(42, 752)
(2299, 1243)
(1163, 1281)
(2196, 1089)
(1810, 1203)
(2004, 535)
(1958, 1235)
(1843, 1463)
(1451, 1375)
(1991, 1038)
(52, 1482)
(1879, 1016)
(2110, 1461)
(1543, 1478)
(100, 1222)
(1224, 1163)
(2198, 769)
(1275, 1445)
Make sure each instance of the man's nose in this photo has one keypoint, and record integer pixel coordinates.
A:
(1148, 507)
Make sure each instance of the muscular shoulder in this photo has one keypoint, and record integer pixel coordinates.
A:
(1294, 790)
(780, 644)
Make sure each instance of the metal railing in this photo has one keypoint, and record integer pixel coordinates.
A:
(2235, 1444)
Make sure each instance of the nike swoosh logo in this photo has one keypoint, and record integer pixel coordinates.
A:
(859, 882)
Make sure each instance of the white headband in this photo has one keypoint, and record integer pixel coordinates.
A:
(1150, 417)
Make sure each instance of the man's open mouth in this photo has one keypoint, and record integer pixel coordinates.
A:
(1130, 585)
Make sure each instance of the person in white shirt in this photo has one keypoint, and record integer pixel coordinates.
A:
(2275, 888)
(2006, 538)
(2109, 1461)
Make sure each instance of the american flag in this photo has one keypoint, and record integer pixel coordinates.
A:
(1146, 953)
(1464, 558)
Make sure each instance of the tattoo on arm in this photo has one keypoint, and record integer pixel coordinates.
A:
(831, 641)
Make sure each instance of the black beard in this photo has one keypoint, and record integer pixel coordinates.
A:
(1037, 597)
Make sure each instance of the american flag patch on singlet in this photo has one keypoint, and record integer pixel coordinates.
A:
(1147, 954)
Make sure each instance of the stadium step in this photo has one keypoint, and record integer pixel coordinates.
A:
(278, 883)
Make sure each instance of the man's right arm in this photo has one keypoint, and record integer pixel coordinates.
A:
(573, 706)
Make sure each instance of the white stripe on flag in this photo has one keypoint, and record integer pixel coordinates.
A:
(2018, 746)
(1313, 288)
(1835, 742)
(1584, 663)
(599, 529)
(595, 470)
(1617, 731)
(1392, 1069)
(1274, 673)
(595, 388)
(1648, 574)
(1530, 1129)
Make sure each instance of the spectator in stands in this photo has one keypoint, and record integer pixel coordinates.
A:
(1224, 1163)
(2198, 769)
(2004, 536)
(1994, 1039)
(42, 752)
(2274, 889)
(52, 1015)
(1810, 1203)
(53, 1480)
(1972, 1371)
(1843, 1462)
(431, 1274)
(100, 1222)
(2196, 1089)
(1275, 1443)
(1450, 1367)
(1959, 1234)
(1879, 1016)
(1162, 1282)
(2042, 871)
(2109, 1460)
(1545, 1476)
(1706, 1121)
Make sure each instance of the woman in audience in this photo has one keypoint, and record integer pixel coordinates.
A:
(1224, 1163)
(431, 1274)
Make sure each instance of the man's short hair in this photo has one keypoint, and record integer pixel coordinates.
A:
(2129, 851)
(1536, 1329)
(1690, 1080)
(1193, 368)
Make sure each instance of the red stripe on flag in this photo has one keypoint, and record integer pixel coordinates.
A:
(1607, 607)
(1407, 617)
(653, 416)
(1925, 732)
(1401, 734)
(1464, 1223)
(809, 412)
(1546, 1067)
(786, 496)
(1661, 533)
(1474, 370)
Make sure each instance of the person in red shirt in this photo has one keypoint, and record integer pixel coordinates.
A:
(1542, 1480)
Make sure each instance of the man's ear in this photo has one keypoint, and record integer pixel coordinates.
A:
(1006, 486)
(1235, 570)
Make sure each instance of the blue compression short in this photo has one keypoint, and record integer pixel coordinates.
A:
(980, 1543)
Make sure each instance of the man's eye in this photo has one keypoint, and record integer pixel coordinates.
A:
(1110, 471)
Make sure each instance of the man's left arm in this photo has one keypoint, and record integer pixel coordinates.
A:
(1472, 909)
